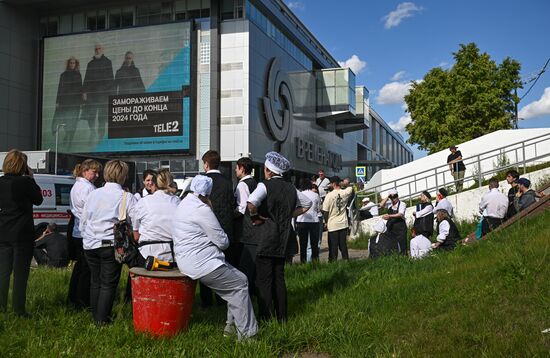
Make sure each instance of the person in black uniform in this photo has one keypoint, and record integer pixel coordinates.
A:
(247, 184)
(447, 232)
(69, 99)
(50, 248)
(397, 226)
(96, 89)
(18, 193)
(271, 207)
(223, 206)
(127, 78)
(511, 178)
(423, 216)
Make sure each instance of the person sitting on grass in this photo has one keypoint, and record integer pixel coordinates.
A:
(420, 245)
(50, 248)
(443, 202)
(525, 196)
(382, 244)
(447, 232)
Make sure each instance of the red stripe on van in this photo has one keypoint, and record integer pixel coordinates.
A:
(50, 215)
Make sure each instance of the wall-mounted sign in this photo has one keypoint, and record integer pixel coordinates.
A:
(316, 153)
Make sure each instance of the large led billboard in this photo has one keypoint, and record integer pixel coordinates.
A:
(118, 91)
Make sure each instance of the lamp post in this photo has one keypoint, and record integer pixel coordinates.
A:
(56, 140)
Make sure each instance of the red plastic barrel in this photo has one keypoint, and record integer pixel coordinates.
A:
(161, 301)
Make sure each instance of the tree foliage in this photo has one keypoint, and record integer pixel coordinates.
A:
(473, 98)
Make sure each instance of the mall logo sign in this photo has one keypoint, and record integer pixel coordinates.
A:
(278, 105)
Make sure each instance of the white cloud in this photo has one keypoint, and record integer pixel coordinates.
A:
(404, 10)
(537, 108)
(398, 76)
(443, 64)
(355, 63)
(295, 5)
(401, 124)
(393, 92)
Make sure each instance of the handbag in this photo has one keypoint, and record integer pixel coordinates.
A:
(126, 247)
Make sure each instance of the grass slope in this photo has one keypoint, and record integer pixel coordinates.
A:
(490, 299)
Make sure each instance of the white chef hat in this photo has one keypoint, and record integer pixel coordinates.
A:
(276, 163)
(366, 199)
(201, 185)
(380, 226)
(392, 192)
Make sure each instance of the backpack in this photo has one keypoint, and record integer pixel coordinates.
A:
(126, 247)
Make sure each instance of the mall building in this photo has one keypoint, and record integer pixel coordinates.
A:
(161, 82)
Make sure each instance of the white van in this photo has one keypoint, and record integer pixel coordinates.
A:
(56, 191)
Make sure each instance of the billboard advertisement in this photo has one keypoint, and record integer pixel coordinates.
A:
(124, 90)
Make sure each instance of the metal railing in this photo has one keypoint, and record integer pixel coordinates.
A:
(515, 155)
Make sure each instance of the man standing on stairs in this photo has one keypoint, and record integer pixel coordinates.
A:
(456, 166)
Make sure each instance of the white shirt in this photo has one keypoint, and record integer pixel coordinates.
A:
(312, 215)
(428, 209)
(420, 246)
(372, 208)
(322, 186)
(101, 213)
(444, 204)
(260, 193)
(198, 238)
(144, 193)
(241, 194)
(153, 220)
(401, 207)
(444, 228)
(79, 193)
(494, 203)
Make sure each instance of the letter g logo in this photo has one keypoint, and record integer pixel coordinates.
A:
(278, 106)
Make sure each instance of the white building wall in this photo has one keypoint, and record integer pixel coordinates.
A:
(234, 94)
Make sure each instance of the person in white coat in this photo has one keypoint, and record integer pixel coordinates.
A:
(153, 220)
(199, 241)
(79, 285)
(100, 213)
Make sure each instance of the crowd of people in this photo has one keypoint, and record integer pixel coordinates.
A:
(391, 231)
(234, 241)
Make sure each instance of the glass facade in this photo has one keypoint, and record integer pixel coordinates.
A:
(335, 90)
(260, 20)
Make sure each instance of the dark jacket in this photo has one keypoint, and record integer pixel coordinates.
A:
(452, 238)
(69, 91)
(511, 198)
(17, 196)
(424, 225)
(273, 235)
(98, 81)
(128, 80)
(526, 199)
(223, 202)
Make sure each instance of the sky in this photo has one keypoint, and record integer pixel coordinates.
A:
(390, 43)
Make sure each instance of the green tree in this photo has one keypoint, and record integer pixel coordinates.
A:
(473, 98)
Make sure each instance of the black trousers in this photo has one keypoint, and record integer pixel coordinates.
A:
(15, 257)
(79, 285)
(270, 282)
(247, 265)
(489, 224)
(105, 274)
(337, 240)
(308, 231)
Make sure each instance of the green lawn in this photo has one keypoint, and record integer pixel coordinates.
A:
(491, 299)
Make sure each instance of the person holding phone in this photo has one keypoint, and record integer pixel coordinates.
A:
(18, 193)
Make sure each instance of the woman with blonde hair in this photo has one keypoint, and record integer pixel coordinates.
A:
(153, 220)
(100, 213)
(85, 174)
(18, 193)
(68, 101)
